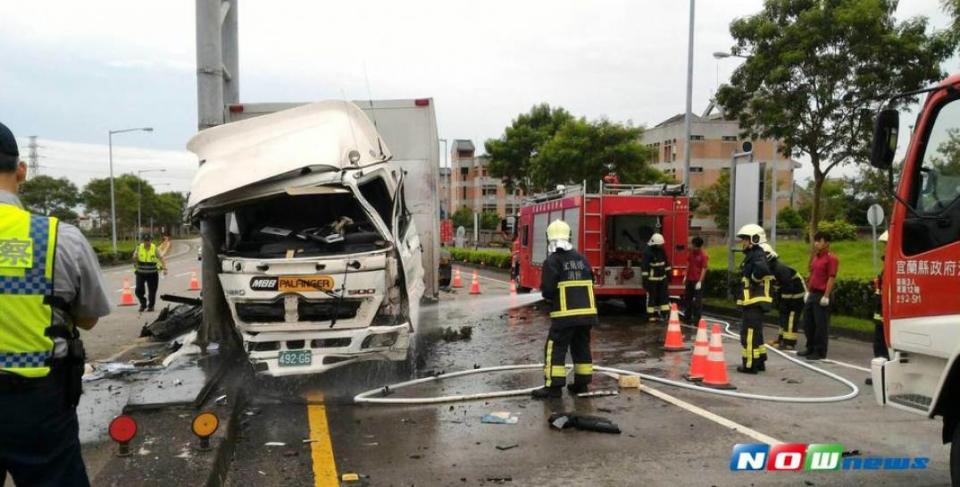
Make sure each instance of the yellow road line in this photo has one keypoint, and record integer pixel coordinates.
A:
(321, 448)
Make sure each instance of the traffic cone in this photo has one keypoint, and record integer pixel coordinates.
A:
(475, 285)
(674, 340)
(701, 348)
(513, 286)
(126, 296)
(457, 281)
(194, 282)
(716, 375)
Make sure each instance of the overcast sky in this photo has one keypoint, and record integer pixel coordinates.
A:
(73, 70)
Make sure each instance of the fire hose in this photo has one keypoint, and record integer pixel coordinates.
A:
(379, 395)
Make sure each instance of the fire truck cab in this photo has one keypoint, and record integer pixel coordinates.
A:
(921, 274)
(611, 229)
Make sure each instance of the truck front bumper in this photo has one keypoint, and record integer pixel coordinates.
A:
(328, 349)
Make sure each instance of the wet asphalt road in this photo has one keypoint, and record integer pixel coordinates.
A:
(661, 444)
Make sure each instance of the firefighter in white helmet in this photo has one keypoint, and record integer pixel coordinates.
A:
(879, 340)
(754, 297)
(656, 278)
(567, 283)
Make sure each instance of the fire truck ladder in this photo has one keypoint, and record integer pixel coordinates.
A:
(593, 230)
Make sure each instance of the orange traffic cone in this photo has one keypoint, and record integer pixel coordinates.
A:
(701, 347)
(716, 375)
(513, 286)
(457, 281)
(126, 296)
(194, 282)
(475, 285)
(674, 340)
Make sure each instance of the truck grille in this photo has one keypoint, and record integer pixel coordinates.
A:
(326, 309)
(269, 312)
(307, 310)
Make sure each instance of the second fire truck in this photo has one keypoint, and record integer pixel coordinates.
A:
(610, 228)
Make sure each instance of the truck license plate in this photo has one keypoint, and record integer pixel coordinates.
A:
(295, 358)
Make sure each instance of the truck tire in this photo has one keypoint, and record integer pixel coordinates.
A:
(955, 457)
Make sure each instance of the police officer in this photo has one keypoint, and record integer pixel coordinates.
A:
(789, 292)
(567, 282)
(655, 270)
(148, 263)
(879, 340)
(49, 286)
(754, 297)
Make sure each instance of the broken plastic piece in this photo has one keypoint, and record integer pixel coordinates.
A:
(601, 393)
(583, 422)
(274, 443)
(500, 417)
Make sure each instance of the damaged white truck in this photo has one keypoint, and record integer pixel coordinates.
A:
(321, 261)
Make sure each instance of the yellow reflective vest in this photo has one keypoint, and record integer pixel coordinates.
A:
(27, 249)
(147, 259)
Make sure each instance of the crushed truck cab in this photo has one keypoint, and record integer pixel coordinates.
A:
(319, 259)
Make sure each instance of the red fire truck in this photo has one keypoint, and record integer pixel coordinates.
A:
(921, 275)
(611, 229)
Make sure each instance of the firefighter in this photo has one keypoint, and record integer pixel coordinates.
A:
(879, 340)
(754, 297)
(567, 283)
(655, 270)
(789, 291)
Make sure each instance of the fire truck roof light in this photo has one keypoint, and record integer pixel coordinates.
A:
(422, 102)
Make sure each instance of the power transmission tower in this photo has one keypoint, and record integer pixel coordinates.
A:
(33, 157)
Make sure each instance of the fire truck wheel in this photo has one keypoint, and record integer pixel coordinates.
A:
(955, 457)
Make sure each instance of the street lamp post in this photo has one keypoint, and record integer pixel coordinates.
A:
(140, 198)
(688, 115)
(113, 197)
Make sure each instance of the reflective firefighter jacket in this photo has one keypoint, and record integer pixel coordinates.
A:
(789, 282)
(27, 249)
(654, 264)
(567, 282)
(755, 279)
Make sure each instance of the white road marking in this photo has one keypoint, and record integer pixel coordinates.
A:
(716, 418)
(183, 274)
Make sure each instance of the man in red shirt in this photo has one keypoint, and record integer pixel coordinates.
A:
(816, 319)
(693, 282)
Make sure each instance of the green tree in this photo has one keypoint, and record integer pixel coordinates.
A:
(462, 218)
(714, 200)
(129, 197)
(166, 210)
(586, 151)
(788, 218)
(510, 155)
(50, 196)
(489, 220)
(814, 67)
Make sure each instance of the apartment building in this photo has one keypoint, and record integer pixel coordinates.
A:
(472, 186)
(712, 141)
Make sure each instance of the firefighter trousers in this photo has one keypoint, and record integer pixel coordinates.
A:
(693, 309)
(577, 339)
(658, 298)
(751, 339)
(791, 312)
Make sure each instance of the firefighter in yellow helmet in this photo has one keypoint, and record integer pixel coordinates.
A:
(754, 297)
(656, 278)
(567, 283)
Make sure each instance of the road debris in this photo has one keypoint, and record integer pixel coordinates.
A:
(629, 381)
(274, 443)
(583, 422)
(600, 393)
(499, 417)
(507, 447)
(452, 335)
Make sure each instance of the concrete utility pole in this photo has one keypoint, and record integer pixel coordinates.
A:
(33, 157)
(218, 85)
(688, 116)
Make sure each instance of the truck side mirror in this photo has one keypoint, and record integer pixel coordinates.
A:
(886, 130)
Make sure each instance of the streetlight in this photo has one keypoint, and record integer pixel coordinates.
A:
(688, 115)
(140, 197)
(113, 197)
(723, 55)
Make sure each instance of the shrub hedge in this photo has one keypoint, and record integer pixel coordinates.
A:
(490, 257)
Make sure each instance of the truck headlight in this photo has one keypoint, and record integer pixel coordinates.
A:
(379, 340)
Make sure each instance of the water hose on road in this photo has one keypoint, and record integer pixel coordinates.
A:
(369, 397)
